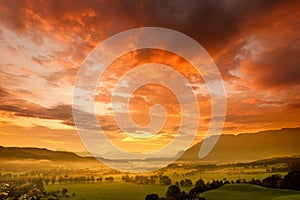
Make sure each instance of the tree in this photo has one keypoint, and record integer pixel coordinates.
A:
(292, 180)
(47, 181)
(60, 179)
(272, 181)
(109, 179)
(152, 197)
(64, 192)
(99, 179)
(92, 179)
(200, 187)
(182, 182)
(165, 180)
(186, 183)
(53, 179)
(173, 191)
(38, 182)
(200, 184)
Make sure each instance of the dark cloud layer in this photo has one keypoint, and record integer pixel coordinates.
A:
(84, 24)
(19, 107)
(211, 23)
(24, 108)
(278, 68)
(9, 103)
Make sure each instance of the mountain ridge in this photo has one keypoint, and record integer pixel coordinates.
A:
(247, 147)
(230, 148)
(38, 154)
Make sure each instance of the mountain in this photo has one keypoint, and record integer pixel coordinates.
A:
(244, 147)
(248, 147)
(9, 153)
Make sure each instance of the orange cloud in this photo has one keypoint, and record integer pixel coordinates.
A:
(255, 45)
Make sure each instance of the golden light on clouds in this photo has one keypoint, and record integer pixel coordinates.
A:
(255, 45)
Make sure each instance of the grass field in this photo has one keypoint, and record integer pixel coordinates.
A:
(131, 191)
(250, 192)
(109, 191)
(119, 190)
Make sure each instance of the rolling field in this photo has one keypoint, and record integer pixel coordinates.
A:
(131, 191)
(119, 190)
(250, 192)
(109, 191)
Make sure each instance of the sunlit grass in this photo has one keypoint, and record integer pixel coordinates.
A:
(249, 192)
(114, 191)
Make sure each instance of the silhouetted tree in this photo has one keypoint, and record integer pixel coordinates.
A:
(109, 179)
(186, 183)
(99, 179)
(64, 192)
(173, 191)
(292, 180)
(272, 181)
(199, 188)
(152, 197)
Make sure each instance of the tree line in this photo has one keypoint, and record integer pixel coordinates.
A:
(289, 181)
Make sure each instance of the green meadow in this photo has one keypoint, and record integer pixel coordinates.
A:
(113, 191)
(250, 192)
(131, 191)
(120, 190)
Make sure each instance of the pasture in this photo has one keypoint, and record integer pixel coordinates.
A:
(109, 191)
(250, 192)
(118, 189)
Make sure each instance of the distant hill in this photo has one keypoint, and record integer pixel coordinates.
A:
(245, 147)
(250, 146)
(38, 154)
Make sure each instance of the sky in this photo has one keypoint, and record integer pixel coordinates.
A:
(255, 45)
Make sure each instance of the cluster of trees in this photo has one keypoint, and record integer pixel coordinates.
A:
(186, 183)
(9, 178)
(27, 187)
(290, 181)
(140, 179)
(56, 172)
(32, 188)
(165, 180)
(109, 179)
(4, 177)
(69, 179)
(174, 192)
(146, 180)
(55, 195)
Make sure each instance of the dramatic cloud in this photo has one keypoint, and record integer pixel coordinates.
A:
(255, 45)
(277, 68)
(10, 103)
